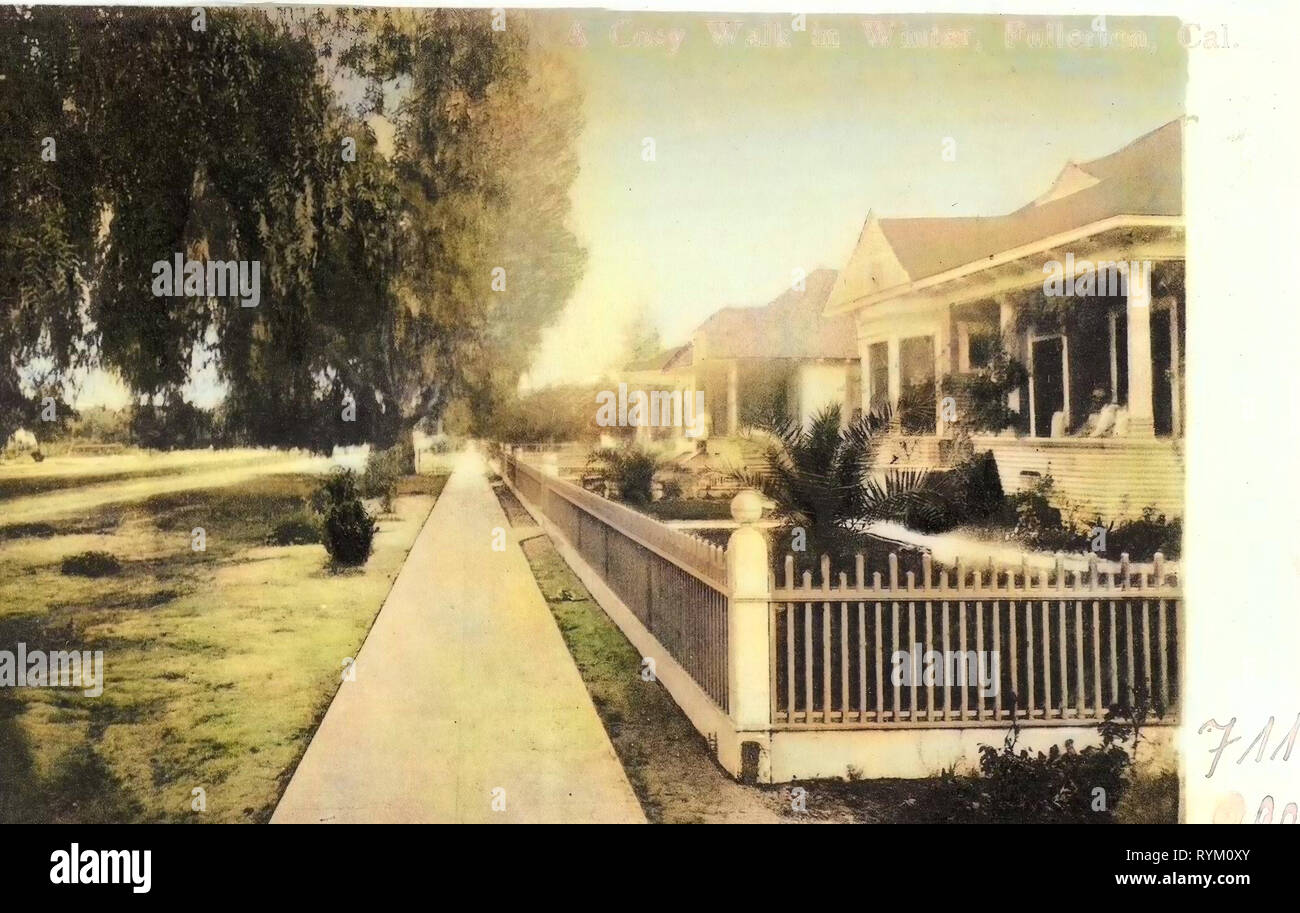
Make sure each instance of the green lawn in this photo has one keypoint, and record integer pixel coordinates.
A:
(217, 664)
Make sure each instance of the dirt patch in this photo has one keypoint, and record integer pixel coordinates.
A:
(515, 511)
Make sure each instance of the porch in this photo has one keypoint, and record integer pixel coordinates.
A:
(1114, 478)
(1086, 386)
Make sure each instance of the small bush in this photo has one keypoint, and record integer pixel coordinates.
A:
(301, 528)
(383, 470)
(27, 530)
(1143, 537)
(1056, 787)
(1036, 524)
(404, 456)
(347, 529)
(629, 471)
(977, 488)
(91, 564)
(969, 493)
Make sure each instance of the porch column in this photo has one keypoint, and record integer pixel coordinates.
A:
(1007, 331)
(1113, 323)
(733, 400)
(895, 376)
(942, 366)
(687, 410)
(703, 420)
(864, 384)
(1007, 311)
(1141, 417)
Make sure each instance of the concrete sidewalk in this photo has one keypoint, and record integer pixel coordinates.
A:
(463, 686)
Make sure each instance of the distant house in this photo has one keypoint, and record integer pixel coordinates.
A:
(782, 358)
(943, 306)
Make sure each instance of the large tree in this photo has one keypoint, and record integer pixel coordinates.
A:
(228, 141)
(486, 127)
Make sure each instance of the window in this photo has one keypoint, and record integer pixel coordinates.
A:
(983, 346)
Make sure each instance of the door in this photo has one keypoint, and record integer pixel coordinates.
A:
(1162, 375)
(1049, 382)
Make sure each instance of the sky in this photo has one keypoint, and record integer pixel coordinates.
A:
(770, 150)
(768, 158)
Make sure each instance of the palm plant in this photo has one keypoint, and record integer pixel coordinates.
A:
(629, 471)
(821, 478)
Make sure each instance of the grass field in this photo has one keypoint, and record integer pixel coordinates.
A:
(20, 475)
(218, 664)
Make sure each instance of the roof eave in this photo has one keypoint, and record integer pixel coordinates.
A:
(1043, 244)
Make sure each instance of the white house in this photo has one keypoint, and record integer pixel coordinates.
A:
(784, 357)
(1100, 404)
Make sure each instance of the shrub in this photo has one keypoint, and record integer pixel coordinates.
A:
(977, 487)
(559, 413)
(383, 469)
(1143, 537)
(347, 529)
(91, 564)
(969, 493)
(1052, 787)
(175, 425)
(403, 455)
(1058, 786)
(629, 471)
(301, 528)
(983, 391)
(1036, 524)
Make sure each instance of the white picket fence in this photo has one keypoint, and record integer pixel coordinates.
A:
(1040, 646)
(819, 650)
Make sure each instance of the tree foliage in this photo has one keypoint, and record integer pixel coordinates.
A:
(227, 143)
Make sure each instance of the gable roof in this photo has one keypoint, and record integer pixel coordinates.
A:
(656, 362)
(1144, 178)
(789, 326)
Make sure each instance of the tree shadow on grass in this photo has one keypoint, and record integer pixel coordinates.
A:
(80, 787)
(19, 784)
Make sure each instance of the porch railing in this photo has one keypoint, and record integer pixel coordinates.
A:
(970, 647)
